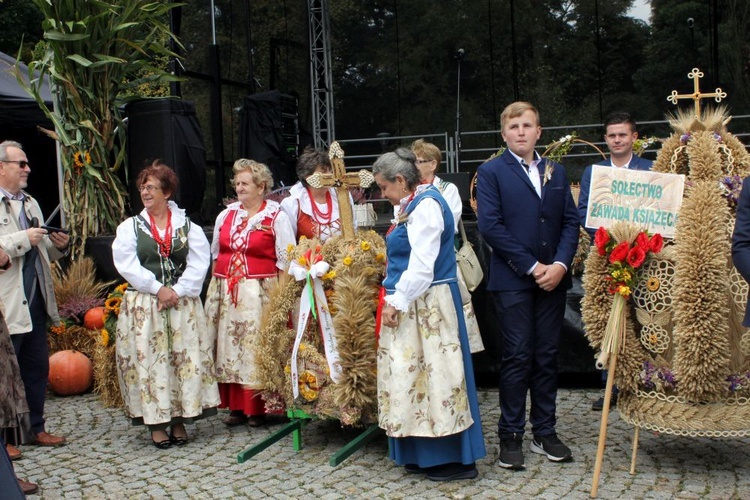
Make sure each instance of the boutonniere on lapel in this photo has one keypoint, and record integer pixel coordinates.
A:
(549, 168)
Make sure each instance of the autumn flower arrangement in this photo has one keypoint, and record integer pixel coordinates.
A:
(624, 259)
(76, 292)
(111, 312)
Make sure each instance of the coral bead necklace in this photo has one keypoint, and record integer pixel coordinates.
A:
(164, 244)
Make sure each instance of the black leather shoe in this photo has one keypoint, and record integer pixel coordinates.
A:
(452, 472)
(598, 405)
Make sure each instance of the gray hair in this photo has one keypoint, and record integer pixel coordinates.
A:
(401, 162)
(4, 148)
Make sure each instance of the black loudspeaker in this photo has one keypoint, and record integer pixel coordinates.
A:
(269, 133)
(168, 130)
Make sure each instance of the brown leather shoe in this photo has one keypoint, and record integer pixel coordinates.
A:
(13, 452)
(27, 487)
(47, 439)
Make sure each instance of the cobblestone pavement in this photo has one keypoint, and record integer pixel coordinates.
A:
(108, 458)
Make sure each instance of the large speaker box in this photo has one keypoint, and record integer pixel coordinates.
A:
(167, 129)
(269, 133)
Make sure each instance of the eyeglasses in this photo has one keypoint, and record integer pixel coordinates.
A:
(148, 187)
(21, 163)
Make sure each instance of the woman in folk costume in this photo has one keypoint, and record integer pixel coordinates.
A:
(428, 160)
(249, 248)
(164, 353)
(314, 212)
(427, 400)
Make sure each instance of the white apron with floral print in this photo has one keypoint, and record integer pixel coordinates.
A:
(165, 359)
(427, 397)
(237, 345)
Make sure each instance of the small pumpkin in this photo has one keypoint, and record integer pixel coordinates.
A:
(94, 318)
(70, 372)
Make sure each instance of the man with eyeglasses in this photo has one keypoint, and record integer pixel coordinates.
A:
(26, 288)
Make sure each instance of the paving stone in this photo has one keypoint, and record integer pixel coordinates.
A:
(108, 458)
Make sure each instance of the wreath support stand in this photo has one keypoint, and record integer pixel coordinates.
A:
(614, 336)
(298, 420)
(603, 427)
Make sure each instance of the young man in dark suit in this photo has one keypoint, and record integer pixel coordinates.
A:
(619, 134)
(527, 216)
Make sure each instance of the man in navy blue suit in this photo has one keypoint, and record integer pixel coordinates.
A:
(527, 216)
(619, 134)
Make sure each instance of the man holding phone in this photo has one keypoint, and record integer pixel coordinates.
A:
(26, 288)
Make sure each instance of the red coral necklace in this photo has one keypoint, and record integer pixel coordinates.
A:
(320, 216)
(165, 244)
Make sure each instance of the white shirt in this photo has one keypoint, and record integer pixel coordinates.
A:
(424, 227)
(299, 199)
(127, 264)
(452, 198)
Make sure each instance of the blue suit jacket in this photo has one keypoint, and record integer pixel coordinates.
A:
(741, 240)
(522, 228)
(636, 163)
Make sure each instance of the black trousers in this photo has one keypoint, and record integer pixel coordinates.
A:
(32, 353)
(530, 323)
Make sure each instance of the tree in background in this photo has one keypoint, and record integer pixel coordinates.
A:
(20, 20)
(96, 52)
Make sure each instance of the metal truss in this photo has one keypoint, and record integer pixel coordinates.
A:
(321, 77)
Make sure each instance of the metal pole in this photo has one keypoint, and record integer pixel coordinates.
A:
(460, 53)
(249, 42)
(217, 133)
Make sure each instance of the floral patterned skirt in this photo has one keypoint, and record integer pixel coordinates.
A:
(236, 328)
(165, 360)
(421, 378)
(14, 412)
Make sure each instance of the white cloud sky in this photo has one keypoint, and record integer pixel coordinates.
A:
(641, 10)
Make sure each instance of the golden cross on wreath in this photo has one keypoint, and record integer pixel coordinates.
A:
(697, 95)
(342, 181)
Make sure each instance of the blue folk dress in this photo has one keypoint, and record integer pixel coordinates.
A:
(427, 400)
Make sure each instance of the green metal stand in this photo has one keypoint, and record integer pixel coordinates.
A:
(298, 420)
(355, 444)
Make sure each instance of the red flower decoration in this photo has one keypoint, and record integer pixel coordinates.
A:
(642, 241)
(637, 255)
(601, 238)
(656, 243)
(619, 253)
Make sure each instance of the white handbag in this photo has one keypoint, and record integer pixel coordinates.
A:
(468, 262)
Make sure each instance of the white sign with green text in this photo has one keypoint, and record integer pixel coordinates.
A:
(651, 200)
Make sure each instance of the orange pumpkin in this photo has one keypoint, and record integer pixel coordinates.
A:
(94, 318)
(70, 372)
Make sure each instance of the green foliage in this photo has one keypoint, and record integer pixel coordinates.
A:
(19, 20)
(98, 54)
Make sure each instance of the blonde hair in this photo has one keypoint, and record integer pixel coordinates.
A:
(516, 109)
(259, 172)
(427, 151)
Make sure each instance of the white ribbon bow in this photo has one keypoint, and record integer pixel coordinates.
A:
(313, 292)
